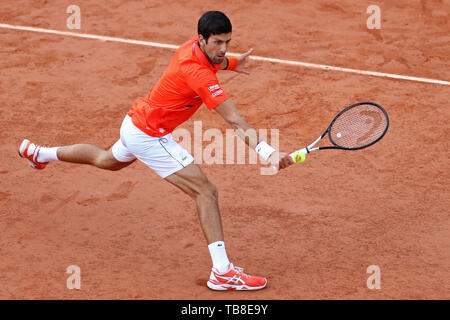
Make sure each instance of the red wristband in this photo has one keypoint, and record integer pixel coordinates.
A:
(232, 63)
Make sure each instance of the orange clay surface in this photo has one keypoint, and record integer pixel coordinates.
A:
(312, 229)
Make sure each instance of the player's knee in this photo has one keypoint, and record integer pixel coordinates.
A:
(105, 161)
(209, 191)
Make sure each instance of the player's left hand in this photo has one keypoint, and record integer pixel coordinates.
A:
(242, 62)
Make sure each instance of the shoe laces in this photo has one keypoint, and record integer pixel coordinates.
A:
(240, 271)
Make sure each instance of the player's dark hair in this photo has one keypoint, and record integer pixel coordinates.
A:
(213, 22)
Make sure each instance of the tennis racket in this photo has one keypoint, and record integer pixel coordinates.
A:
(356, 127)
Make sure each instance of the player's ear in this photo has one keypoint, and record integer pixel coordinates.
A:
(202, 41)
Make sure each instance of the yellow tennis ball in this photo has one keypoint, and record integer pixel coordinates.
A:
(299, 157)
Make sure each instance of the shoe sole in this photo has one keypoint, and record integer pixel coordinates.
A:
(227, 287)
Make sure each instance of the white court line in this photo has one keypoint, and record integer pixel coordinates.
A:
(257, 58)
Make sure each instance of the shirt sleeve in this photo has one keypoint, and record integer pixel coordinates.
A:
(205, 83)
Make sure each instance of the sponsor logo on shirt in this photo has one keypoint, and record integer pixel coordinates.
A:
(215, 94)
(213, 88)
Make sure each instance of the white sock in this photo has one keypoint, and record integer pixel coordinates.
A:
(47, 154)
(219, 256)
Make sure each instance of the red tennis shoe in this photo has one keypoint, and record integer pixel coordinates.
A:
(30, 151)
(235, 279)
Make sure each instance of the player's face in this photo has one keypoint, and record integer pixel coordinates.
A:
(216, 47)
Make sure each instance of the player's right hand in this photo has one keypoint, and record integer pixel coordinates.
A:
(280, 160)
(242, 62)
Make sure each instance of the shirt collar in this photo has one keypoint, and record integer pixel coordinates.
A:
(201, 57)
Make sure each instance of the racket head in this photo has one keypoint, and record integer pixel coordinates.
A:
(358, 126)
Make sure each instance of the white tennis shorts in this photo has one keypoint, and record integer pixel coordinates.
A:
(161, 154)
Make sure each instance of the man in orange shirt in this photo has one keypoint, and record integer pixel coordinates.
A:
(146, 134)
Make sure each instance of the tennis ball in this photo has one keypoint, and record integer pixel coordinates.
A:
(299, 157)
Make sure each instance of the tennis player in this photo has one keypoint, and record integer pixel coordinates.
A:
(146, 134)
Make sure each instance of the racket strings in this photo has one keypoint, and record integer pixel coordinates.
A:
(359, 126)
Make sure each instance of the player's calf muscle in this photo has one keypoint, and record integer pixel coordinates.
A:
(88, 154)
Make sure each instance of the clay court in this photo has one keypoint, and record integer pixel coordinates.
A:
(312, 229)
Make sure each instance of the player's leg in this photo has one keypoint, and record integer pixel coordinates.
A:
(93, 155)
(193, 182)
(115, 158)
(224, 276)
(39, 156)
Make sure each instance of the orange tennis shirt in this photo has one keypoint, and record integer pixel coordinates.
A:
(189, 80)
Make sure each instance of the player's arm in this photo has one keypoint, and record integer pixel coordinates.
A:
(230, 114)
